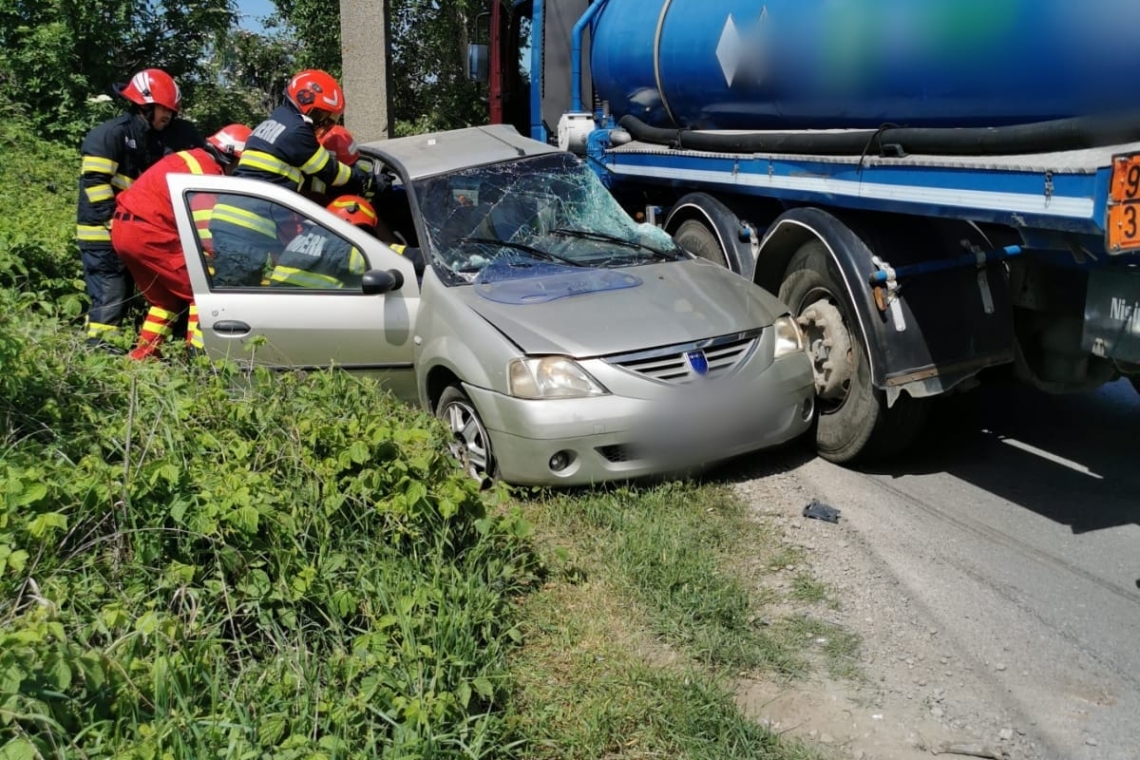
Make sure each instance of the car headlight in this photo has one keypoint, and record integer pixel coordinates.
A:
(789, 337)
(551, 377)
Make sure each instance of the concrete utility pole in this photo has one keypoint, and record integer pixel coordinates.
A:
(365, 52)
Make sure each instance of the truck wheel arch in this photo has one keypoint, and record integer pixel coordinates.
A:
(720, 221)
(786, 236)
(924, 357)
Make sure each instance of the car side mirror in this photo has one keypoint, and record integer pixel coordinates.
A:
(379, 281)
(478, 64)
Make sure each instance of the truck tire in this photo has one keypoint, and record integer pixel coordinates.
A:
(854, 423)
(695, 237)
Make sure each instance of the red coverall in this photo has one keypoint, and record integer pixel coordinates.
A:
(145, 236)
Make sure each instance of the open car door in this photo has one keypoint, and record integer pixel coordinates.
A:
(323, 292)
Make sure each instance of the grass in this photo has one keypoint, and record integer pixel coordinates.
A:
(633, 646)
(807, 589)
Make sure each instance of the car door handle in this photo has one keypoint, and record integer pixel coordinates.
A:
(231, 327)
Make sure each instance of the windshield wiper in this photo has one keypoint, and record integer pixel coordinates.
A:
(537, 253)
(606, 237)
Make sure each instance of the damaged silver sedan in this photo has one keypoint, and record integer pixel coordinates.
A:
(561, 342)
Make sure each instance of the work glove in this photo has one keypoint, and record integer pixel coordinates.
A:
(372, 183)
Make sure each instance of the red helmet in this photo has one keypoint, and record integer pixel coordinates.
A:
(153, 86)
(315, 90)
(229, 142)
(355, 210)
(340, 142)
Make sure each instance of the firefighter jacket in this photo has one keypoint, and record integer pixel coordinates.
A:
(317, 258)
(115, 154)
(283, 150)
(148, 198)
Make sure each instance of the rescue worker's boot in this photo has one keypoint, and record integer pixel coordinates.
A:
(157, 327)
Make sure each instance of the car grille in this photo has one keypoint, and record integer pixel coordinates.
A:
(672, 364)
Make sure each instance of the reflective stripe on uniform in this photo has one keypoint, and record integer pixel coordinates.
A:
(317, 161)
(257, 159)
(159, 321)
(93, 233)
(122, 181)
(343, 174)
(191, 162)
(193, 329)
(319, 186)
(356, 263)
(100, 193)
(239, 217)
(98, 165)
(302, 278)
(98, 329)
(202, 221)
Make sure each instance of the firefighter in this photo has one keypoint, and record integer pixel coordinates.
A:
(317, 258)
(342, 145)
(248, 233)
(146, 238)
(114, 154)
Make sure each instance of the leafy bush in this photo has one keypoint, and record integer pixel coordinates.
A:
(194, 561)
(39, 185)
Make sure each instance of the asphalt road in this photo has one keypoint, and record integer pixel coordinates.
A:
(1016, 524)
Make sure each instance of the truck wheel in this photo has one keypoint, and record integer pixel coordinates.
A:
(854, 423)
(470, 444)
(694, 236)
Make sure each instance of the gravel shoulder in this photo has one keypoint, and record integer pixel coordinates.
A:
(921, 690)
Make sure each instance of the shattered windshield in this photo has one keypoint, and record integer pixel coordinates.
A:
(550, 210)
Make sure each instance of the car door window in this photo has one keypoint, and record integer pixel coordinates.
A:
(248, 242)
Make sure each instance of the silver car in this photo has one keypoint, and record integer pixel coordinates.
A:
(562, 342)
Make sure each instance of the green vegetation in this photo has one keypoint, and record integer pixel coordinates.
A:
(635, 641)
(194, 563)
(197, 562)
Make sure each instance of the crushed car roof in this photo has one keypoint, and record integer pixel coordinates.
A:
(439, 152)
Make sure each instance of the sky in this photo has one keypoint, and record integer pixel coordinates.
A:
(251, 11)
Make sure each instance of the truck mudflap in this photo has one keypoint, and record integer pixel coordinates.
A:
(928, 320)
(1112, 314)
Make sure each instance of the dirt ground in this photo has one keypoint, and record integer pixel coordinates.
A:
(918, 696)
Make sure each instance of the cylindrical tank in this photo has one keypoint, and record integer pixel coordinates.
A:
(830, 64)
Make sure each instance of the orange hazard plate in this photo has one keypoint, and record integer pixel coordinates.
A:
(1123, 227)
(1125, 178)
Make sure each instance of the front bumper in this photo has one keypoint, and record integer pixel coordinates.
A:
(615, 438)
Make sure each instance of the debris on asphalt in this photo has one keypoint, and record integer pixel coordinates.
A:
(819, 511)
(969, 750)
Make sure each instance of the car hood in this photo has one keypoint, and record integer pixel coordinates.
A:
(549, 309)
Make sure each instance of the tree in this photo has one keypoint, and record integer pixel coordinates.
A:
(58, 54)
(246, 79)
(429, 56)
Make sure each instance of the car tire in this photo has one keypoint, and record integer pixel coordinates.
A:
(470, 443)
(853, 423)
(695, 237)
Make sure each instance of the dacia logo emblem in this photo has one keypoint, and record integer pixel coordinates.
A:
(698, 362)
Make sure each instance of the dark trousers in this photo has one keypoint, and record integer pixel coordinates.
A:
(109, 285)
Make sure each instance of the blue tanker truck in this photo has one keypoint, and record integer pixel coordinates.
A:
(941, 190)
